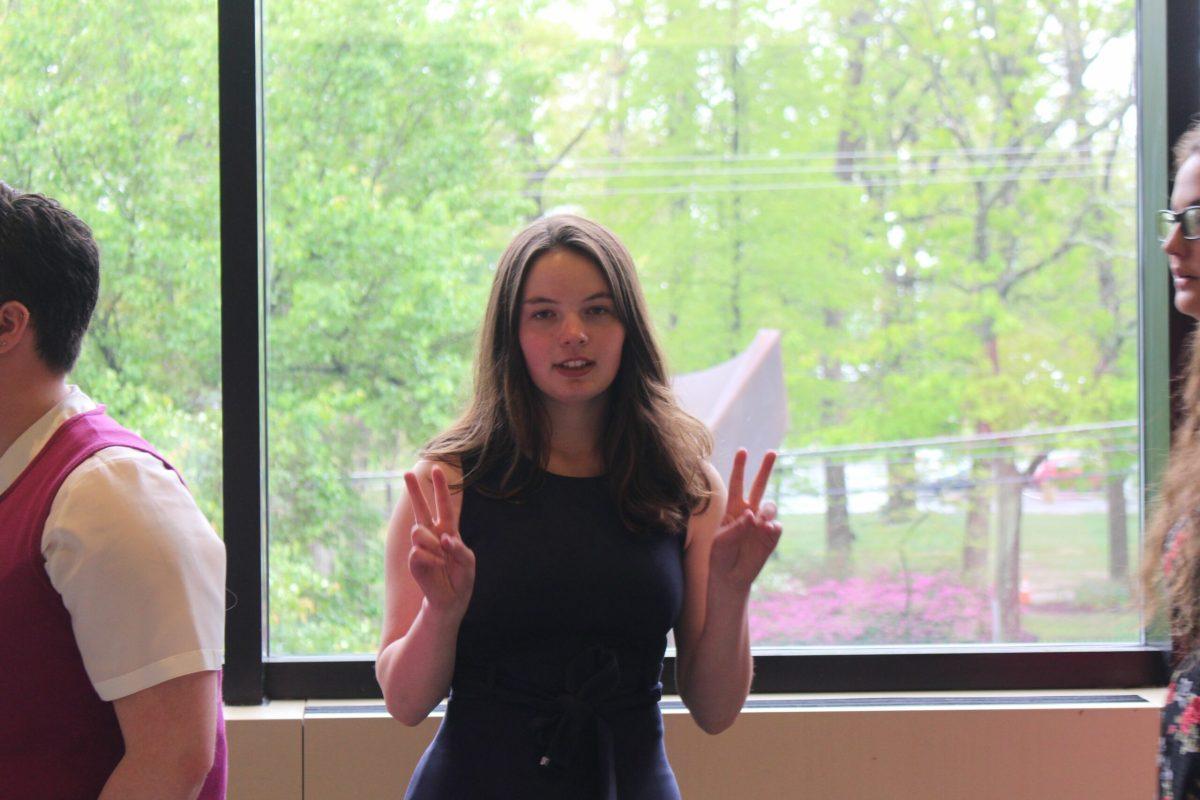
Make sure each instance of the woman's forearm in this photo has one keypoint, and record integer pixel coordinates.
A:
(716, 678)
(414, 671)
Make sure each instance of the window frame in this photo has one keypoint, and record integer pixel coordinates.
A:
(1167, 78)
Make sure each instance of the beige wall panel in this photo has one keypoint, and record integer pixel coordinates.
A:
(1000, 754)
(266, 752)
(1014, 753)
(361, 758)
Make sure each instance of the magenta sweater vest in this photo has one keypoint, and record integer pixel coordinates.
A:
(58, 739)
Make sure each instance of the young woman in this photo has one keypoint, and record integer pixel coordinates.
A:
(1173, 548)
(551, 538)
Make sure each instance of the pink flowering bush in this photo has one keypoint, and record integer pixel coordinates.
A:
(887, 608)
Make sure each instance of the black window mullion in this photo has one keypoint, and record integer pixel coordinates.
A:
(242, 348)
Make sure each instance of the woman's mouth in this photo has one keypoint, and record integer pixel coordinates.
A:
(575, 367)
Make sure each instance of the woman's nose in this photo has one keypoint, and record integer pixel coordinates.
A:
(1174, 241)
(572, 331)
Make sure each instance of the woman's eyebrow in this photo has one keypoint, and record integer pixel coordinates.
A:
(606, 295)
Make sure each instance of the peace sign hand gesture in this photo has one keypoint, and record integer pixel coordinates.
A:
(747, 534)
(442, 566)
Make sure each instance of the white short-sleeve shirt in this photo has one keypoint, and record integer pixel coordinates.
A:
(140, 570)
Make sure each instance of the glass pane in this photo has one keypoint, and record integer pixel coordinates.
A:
(902, 235)
(111, 109)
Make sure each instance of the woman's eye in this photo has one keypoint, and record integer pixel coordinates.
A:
(543, 314)
(598, 310)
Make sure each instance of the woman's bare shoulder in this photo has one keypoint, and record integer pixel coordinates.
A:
(704, 520)
(451, 467)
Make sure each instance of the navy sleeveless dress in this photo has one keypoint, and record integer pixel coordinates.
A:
(557, 673)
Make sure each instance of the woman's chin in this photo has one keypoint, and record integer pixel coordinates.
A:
(578, 395)
(1187, 301)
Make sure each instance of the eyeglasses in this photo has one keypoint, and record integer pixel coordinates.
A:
(1189, 218)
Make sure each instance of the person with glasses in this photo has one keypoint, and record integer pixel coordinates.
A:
(1172, 564)
(552, 537)
(112, 583)
(1177, 230)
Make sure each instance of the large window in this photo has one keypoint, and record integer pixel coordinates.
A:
(896, 240)
(911, 227)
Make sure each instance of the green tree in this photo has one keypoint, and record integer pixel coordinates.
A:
(998, 119)
(930, 200)
(385, 126)
(95, 118)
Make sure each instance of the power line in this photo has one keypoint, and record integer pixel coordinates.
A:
(787, 187)
(825, 169)
(825, 155)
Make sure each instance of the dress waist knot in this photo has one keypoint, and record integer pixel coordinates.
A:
(595, 685)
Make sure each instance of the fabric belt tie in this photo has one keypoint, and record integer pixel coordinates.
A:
(591, 691)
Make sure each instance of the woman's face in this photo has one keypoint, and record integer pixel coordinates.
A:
(569, 333)
(1184, 254)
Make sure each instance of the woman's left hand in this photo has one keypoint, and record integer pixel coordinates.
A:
(747, 534)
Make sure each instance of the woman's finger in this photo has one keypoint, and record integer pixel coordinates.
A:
(768, 511)
(424, 538)
(769, 534)
(761, 479)
(441, 496)
(460, 552)
(425, 555)
(736, 476)
(421, 561)
(416, 496)
(737, 526)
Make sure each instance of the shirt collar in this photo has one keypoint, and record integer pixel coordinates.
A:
(16, 458)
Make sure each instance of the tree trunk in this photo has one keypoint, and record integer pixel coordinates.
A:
(1111, 346)
(1118, 539)
(839, 538)
(902, 482)
(735, 149)
(977, 533)
(1006, 593)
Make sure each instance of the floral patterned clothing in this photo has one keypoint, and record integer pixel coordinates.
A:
(1179, 744)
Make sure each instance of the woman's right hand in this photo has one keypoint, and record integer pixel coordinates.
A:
(442, 566)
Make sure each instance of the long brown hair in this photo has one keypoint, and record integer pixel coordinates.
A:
(1179, 496)
(654, 451)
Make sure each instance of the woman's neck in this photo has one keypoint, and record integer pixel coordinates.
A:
(575, 448)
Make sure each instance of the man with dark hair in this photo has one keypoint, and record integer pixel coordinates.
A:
(111, 580)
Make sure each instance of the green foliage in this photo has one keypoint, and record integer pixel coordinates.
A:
(94, 118)
(933, 201)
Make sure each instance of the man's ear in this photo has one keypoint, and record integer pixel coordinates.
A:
(14, 325)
